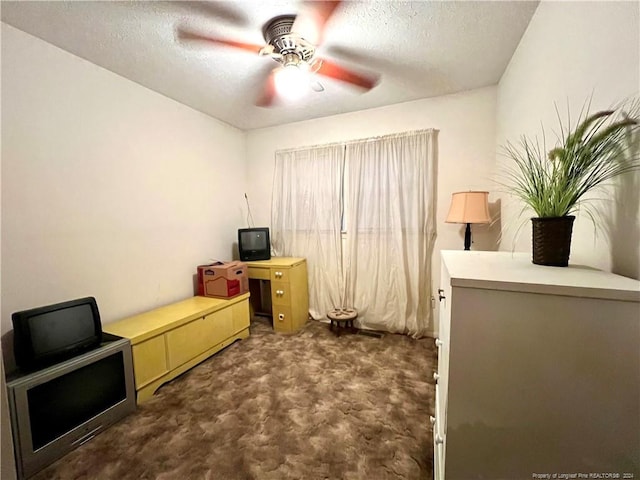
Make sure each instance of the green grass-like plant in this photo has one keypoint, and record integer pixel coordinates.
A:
(600, 148)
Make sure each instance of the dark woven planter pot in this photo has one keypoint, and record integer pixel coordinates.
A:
(552, 240)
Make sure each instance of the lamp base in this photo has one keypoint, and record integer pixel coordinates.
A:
(467, 237)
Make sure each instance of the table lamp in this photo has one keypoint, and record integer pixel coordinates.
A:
(469, 207)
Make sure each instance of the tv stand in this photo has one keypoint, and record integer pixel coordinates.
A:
(60, 407)
(279, 287)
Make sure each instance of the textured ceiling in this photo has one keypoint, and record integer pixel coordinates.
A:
(420, 49)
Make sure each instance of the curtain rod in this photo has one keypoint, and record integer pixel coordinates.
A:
(359, 140)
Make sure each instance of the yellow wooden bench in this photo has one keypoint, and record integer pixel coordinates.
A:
(169, 340)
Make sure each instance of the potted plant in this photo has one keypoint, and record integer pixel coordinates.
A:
(555, 184)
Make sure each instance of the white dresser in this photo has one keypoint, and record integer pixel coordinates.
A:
(538, 370)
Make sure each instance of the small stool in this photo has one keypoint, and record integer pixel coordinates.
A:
(343, 317)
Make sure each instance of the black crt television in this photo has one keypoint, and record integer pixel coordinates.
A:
(46, 335)
(254, 244)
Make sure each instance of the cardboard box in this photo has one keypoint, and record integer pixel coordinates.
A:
(223, 279)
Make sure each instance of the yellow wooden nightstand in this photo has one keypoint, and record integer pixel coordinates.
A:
(289, 299)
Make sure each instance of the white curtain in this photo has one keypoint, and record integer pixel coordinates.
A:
(391, 230)
(388, 187)
(306, 218)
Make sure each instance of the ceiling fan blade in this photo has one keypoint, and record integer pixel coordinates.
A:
(187, 36)
(335, 71)
(314, 65)
(312, 19)
(268, 94)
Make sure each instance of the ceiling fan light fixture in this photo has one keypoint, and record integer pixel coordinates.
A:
(291, 81)
(291, 41)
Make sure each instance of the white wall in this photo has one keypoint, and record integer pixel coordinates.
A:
(7, 463)
(108, 189)
(466, 145)
(570, 51)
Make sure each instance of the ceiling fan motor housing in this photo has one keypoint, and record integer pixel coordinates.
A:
(277, 32)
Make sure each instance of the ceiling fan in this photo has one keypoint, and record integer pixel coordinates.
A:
(292, 41)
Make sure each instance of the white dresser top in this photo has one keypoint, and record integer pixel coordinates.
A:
(514, 271)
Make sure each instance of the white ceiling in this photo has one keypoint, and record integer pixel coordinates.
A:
(420, 49)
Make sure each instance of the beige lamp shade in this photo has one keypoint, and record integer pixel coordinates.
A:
(469, 207)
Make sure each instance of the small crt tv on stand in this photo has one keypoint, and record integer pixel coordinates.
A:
(254, 244)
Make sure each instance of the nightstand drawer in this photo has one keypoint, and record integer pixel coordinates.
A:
(280, 293)
(259, 273)
(282, 318)
(279, 274)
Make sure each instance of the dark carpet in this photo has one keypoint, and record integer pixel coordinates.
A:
(303, 406)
